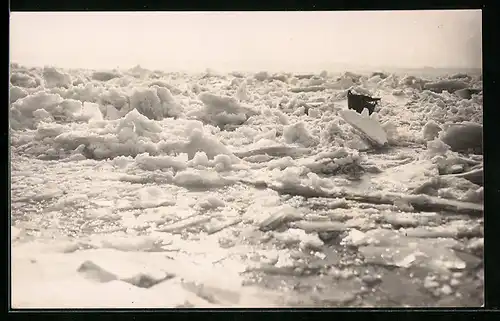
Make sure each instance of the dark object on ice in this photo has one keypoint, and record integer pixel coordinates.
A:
(304, 76)
(460, 75)
(360, 102)
(467, 93)
(279, 77)
(449, 85)
(464, 137)
(380, 74)
(329, 237)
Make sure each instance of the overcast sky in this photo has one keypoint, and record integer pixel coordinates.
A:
(274, 41)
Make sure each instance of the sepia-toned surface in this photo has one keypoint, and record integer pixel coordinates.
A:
(136, 188)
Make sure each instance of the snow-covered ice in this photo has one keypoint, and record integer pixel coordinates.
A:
(114, 171)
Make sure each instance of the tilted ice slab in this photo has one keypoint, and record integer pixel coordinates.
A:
(367, 125)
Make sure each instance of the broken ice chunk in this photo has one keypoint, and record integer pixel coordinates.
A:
(369, 127)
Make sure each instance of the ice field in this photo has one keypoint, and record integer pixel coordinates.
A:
(141, 188)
